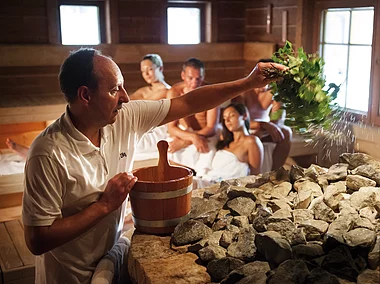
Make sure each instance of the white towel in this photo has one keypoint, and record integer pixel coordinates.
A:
(11, 163)
(190, 157)
(147, 146)
(225, 165)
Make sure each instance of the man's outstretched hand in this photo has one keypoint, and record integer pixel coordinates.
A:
(266, 72)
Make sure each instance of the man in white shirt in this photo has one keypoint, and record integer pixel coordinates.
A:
(77, 174)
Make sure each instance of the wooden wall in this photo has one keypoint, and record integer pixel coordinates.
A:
(256, 20)
(23, 21)
(230, 20)
(132, 21)
(29, 37)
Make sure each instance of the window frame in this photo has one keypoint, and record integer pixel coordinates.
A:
(373, 114)
(188, 4)
(102, 15)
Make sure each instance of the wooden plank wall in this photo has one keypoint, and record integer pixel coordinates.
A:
(29, 38)
(132, 21)
(256, 20)
(231, 20)
(23, 22)
(29, 85)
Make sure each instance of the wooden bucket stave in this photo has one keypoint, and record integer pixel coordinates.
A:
(161, 198)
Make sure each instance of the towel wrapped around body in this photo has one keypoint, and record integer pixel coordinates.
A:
(225, 165)
(147, 146)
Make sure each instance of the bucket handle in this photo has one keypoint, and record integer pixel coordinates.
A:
(163, 164)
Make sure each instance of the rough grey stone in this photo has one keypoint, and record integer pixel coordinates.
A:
(340, 263)
(273, 247)
(337, 172)
(220, 268)
(244, 248)
(296, 173)
(354, 182)
(242, 206)
(322, 211)
(307, 251)
(189, 232)
(240, 221)
(369, 276)
(368, 171)
(374, 255)
(355, 160)
(321, 276)
(211, 252)
(360, 237)
(290, 271)
(256, 268)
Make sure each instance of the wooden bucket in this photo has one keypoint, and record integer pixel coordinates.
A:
(161, 198)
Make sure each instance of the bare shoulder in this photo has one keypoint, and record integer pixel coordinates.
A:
(251, 140)
(176, 90)
(140, 93)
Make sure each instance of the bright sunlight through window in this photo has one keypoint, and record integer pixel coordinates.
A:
(184, 25)
(346, 47)
(80, 25)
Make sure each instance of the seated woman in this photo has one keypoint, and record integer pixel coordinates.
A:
(152, 69)
(239, 153)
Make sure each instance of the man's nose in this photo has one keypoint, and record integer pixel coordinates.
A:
(124, 98)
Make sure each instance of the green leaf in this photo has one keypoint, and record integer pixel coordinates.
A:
(301, 92)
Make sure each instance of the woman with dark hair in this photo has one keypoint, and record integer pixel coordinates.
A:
(239, 153)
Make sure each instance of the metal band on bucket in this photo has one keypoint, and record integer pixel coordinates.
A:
(160, 223)
(161, 195)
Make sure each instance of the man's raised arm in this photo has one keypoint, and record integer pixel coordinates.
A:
(216, 94)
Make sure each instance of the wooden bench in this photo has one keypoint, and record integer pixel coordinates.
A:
(16, 261)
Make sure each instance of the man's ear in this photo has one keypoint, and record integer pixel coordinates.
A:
(183, 75)
(84, 94)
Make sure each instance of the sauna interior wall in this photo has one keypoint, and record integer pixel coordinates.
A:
(30, 53)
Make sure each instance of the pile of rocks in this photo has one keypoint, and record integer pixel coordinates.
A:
(311, 225)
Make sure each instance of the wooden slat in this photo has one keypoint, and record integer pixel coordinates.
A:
(32, 113)
(16, 233)
(254, 51)
(11, 199)
(8, 254)
(10, 213)
(20, 275)
(121, 53)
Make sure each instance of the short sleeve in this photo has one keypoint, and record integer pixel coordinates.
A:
(145, 115)
(42, 200)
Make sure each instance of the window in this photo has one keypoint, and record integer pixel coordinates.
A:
(346, 47)
(81, 22)
(184, 25)
(186, 22)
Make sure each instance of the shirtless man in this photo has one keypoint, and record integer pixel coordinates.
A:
(196, 130)
(267, 121)
(152, 69)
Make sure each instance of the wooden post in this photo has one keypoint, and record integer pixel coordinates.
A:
(284, 26)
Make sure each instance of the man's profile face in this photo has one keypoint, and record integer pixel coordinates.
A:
(192, 77)
(107, 99)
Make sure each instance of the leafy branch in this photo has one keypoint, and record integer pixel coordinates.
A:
(301, 91)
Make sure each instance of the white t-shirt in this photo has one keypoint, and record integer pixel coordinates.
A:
(65, 173)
